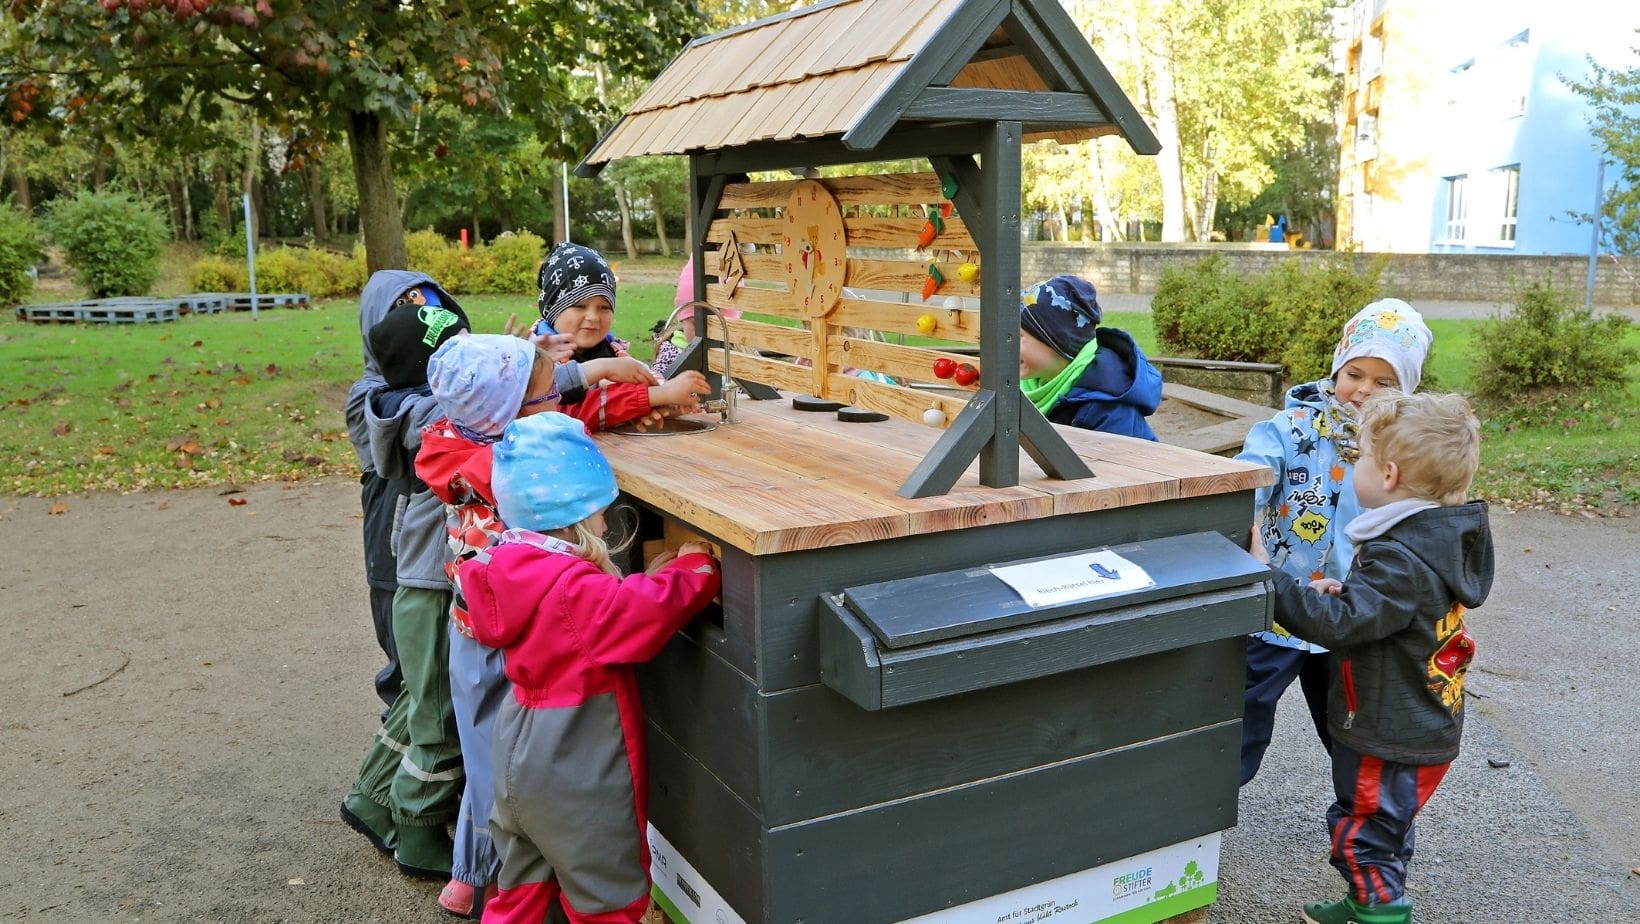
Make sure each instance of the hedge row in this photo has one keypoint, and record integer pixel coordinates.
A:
(1291, 315)
(506, 265)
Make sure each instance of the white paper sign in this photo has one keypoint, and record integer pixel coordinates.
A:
(1076, 577)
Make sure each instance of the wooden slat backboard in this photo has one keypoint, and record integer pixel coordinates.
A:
(880, 213)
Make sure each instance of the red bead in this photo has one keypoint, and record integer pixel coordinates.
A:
(966, 375)
(944, 368)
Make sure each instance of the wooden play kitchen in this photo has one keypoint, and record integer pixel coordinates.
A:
(947, 680)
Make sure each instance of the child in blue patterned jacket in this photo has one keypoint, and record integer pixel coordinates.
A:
(1312, 446)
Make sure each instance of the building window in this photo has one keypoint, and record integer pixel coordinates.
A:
(1514, 75)
(1507, 182)
(1457, 207)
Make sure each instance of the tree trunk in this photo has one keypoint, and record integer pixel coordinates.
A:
(314, 181)
(20, 191)
(187, 207)
(224, 209)
(173, 204)
(478, 238)
(1168, 163)
(622, 200)
(378, 211)
(1110, 228)
(660, 229)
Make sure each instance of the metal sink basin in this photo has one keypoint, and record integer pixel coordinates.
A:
(671, 426)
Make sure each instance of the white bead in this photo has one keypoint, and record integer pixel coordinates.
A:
(934, 417)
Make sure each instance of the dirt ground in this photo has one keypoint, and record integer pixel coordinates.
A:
(186, 695)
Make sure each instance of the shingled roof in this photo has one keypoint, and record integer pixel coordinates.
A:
(856, 68)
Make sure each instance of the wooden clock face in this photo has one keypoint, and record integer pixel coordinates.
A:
(813, 246)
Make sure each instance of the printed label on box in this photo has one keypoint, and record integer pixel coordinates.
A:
(1074, 577)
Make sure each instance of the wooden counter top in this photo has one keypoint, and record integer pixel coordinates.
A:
(782, 480)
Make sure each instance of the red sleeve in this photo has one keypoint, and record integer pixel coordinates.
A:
(442, 458)
(631, 622)
(610, 405)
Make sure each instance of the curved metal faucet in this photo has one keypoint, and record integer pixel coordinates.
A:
(726, 405)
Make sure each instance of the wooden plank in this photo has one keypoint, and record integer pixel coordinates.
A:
(1012, 72)
(878, 189)
(852, 464)
(822, 754)
(940, 104)
(792, 341)
(781, 375)
(908, 276)
(754, 298)
(1079, 814)
(904, 403)
(747, 230)
(900, 362)
(957, 324)
(1213, 401)
(719, 834)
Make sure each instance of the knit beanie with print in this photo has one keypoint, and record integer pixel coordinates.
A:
(1062, 313)
(571, 275)
(1391, 330)
(404, 340)
(547, 473)
(480, 380)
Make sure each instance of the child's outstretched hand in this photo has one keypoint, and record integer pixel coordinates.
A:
(619, 369)
(693, 547)
(1327, 586)
(682, 390)
(1255, 547)
(666, 557)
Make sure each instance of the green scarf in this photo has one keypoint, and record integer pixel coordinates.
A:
(1046, 394)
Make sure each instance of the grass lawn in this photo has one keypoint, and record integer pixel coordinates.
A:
(223, 400)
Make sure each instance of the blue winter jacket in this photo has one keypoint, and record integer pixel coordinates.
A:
(1116, 393)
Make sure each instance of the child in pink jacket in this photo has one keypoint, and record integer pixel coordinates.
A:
(570, 779)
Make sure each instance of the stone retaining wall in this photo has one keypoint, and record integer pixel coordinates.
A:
(1445, 277)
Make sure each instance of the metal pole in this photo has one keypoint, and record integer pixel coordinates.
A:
(567, 234)
(250, 250)
(1594, 236)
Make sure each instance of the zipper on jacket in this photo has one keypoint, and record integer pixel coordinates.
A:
(1349, 692)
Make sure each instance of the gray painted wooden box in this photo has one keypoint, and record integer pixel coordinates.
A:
(812, 773)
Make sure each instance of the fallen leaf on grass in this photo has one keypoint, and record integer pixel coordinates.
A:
(183, 460)
(271, 369)
(199, 343)
(237, 501)
(57, 509)
(241, 379)
(62, 428)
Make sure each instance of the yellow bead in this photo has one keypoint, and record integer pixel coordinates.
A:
(926, 324)
(968, 272)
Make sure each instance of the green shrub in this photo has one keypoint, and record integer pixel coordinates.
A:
(1548, 347)
(218, 274)
(19, 250)
(1291, 315)
(514, 259)
(111, 239)
(318, 273)
(1205, 309)
(1317, 299)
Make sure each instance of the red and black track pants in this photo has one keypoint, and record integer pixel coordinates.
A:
(1374, 821)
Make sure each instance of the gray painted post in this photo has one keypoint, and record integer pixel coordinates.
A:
(1594, 235)
(999, 302)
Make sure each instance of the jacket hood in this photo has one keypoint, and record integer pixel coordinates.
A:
(1456, 543)
(1307, 395)
(1130, 379)
(374, 303)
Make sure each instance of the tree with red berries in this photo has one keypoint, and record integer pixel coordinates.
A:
(160, 67)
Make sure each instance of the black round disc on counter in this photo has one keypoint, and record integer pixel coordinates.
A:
(859, 415)
(811, 403)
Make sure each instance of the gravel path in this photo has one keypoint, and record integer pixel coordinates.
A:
(186, 698)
